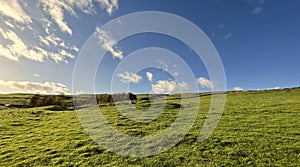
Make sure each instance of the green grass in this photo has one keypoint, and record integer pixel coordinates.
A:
(257, 129)
(17, 99)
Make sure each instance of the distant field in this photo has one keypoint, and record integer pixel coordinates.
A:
(257, 129)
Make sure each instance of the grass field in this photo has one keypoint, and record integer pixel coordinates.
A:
(257, 129)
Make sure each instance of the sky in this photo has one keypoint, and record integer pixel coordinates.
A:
(43, 41)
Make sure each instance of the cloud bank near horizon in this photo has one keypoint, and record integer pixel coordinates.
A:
(33, 87)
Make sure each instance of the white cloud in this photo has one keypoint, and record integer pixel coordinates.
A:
(75, 48)
(228, 35)
(183, 86)
(37, 37)
(85, 6)
(110, 5)
(149, 76)
(14, 46)
(129, 77)
(164, 86)
(12, 9)
(238, 89)
(32, 87)
(108, 43)
(205, 83)
(50, 39)
(36, 75)
(56, 9)
(9, 24)
(172, 69)
(64, 53)
(53, 40)
(257, 10)
(17, 48)
(275, 88)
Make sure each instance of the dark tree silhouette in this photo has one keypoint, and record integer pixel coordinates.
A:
(35, 101)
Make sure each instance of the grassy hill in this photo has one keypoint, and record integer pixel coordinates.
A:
(259, 128)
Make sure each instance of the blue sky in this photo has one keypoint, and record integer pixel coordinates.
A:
(258, 42)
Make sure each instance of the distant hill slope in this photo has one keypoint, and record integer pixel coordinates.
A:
(24, 99)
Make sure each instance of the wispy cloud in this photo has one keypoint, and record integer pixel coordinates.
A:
(17, 48)
(44, 38)
(149, 76)
(109, 5)
(257, 10)
(205, 83)
(108, 43)
(14, 46)
(228, 35)
(56, 9)
(172, 69)
(130, 77)
(12, 9)
(32, 87)
(257, 4)
(164, 86)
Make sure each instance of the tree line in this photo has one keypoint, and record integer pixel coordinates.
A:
(66, 101)
(110, 99)
(49, 100)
